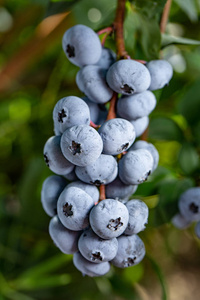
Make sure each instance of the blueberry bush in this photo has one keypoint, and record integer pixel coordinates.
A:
(147, 153)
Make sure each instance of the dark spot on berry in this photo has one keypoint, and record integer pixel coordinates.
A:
(194, 208)
(114, 224)
(124, 146)
(130, 261)
(96, 256)
(127, 89)
(70, 50)
(46, 159)
(67, 210)
(96, 182)
(61, 115)
(75, 148)
(143, 179)
(84, 235)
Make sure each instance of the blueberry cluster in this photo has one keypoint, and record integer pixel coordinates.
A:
(189, 210)
(101, 231)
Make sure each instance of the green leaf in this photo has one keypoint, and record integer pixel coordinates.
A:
(189, 7)
(149, 8)
(163, 128)
(56, 7)
(188, 158)
(150, 37)
(160, 276)
(170, 40)
(134, 274)
(189, 106)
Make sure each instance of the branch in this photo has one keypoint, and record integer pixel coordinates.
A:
(118, 28)
(165, 16)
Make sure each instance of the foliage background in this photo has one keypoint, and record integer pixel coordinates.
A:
(34, 75)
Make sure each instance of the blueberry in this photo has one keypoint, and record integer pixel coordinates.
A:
(70, 111)
(66, 240)
(109, 218)
(102, 171)
(140, 125)
(161, 72)
(136, 106)
(54, 157)
(51, 190)
(88, 188)
(128, 76)
(95, 249)
(71, 176)
(82, 45)
(94, 109)
(135, 166)
(89, 268)
(131, 251)
(180, 222)
(81, 145)
(91, 81)
(189, 204)
(119, 191)
(108, 57)
(73, 208)
(117, 135)
(151, 148)
(138, 216)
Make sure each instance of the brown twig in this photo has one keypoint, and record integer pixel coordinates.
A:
(112, 108)
(118, 28)
(165, 15)
(95, 126)
(102, 191)
(105, 30)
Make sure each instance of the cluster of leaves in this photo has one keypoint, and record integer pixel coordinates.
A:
(34, 75)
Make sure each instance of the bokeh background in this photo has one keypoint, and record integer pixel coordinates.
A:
(34, 75)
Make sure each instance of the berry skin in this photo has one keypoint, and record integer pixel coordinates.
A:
(54, 157)
(135, 166)
(128, 76)
(136, 106)
(88, 268)
(82, 45)
(81, 145)
(73, 208)
(102, 171)
(151, 148)
(138, 216)
(189, 204)
(131, 251)
(161, 72)
(119, 191)
(91, 81)
(88, 188)
(94, 109)
(70, 111)
(51, 190)
(66, 240)
(108, 57)
(117, 135)
(180, 222)
(109, 218)
(95, 249)
(140, 125)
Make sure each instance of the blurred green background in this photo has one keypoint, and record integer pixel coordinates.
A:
(34, 75)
